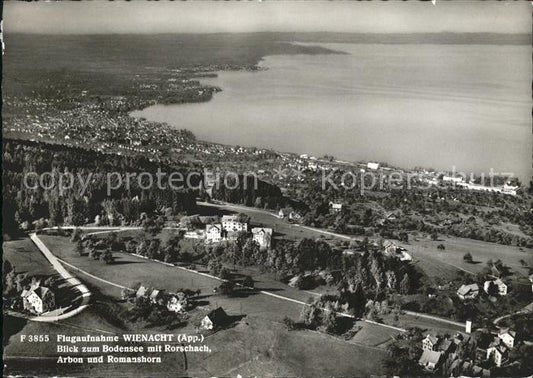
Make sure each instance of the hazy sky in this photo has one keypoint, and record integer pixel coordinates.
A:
(209, 17)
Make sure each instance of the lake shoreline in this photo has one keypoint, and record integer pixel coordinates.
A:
(244, 95)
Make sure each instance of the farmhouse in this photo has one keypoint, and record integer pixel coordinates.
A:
(233, 223)
(430, 342)
(38, 299)
(216, 318)
(468, 291)
(213, 233)
(498, 353)
(500, 285)
(262, 236)
(430, 360)
(507, 337)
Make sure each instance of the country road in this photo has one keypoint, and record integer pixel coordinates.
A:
(107, 229)
(436, 318)
(102, 229)
(245, 209)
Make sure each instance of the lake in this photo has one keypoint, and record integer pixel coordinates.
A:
(438, 106)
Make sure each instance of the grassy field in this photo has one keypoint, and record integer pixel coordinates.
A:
(274, 351)
(446, 263)
(129, 270)
(258, 345)
(26, 258)
(266, 348)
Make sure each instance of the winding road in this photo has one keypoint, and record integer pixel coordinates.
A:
(69, 278)
(107, 229)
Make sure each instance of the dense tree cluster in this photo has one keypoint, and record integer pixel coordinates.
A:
(95, 249)
(249, 191)
(87, 198)
(153, 248)
(391, 213)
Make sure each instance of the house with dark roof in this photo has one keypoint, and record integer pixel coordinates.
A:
(214, 319)
(445, 345)
(38, 299)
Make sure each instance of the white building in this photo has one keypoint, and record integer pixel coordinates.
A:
(507, 337)
(263, 236)
(468, 291)
(38, 299)
(195, 234)
(373, 166)
(502, 287)
(498, 353)
(232, 223)
(453, 179)
(141, 292)
(430, 342)
(213, 233)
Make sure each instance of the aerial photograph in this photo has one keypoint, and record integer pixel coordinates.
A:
(267, 188)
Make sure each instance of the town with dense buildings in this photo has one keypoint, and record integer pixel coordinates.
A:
(434, 279)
